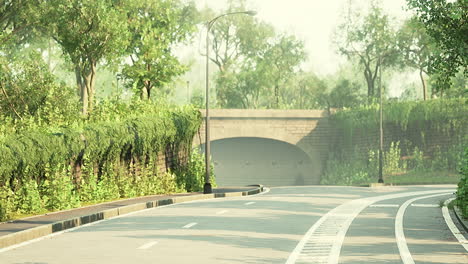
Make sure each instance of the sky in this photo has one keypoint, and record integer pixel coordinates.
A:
(313, 21)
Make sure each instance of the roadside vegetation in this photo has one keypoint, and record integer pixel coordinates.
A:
(87, 93)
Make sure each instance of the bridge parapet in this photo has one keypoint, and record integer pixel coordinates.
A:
(306, 129)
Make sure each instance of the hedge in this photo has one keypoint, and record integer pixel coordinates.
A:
(51, 168)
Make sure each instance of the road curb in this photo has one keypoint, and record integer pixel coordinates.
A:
(47, 229)
(458, 215)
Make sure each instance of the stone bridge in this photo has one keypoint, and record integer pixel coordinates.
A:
(271, 147)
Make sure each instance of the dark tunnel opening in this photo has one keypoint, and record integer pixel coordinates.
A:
(245, 161)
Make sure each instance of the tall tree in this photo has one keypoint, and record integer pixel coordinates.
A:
(417, 47)
(446, 22)
(371, 41)
(88, 32)
(18, 20)
(156, 26)
(236, 38)
(281, 61)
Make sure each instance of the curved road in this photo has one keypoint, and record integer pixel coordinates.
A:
(311, 224)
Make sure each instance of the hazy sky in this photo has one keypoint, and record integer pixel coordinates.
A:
(313, 21)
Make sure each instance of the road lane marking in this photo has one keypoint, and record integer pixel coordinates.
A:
(385, 205)
(455, 231)
(249, 203)
(189, 225)
(330, 230)
(222, 212)
(426, 205)
(148, 245)
(405, 254)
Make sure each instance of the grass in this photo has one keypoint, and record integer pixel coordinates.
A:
(423, 177)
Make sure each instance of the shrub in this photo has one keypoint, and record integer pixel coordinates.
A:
(462, 191)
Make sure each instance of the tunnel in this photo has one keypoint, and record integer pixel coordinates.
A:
(245, 161)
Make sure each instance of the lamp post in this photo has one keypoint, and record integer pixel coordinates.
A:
(207, 187)
(380, 125)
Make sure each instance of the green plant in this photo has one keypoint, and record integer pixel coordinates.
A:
(58, 191)
(392, 159)
(462, 190)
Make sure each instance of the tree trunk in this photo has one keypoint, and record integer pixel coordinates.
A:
(277, 96)
(423, 83)
(370, 85)
(86, 80)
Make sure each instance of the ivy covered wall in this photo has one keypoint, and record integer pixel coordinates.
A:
(147, 151)
(428, 136)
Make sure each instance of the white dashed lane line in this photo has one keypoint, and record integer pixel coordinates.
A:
(148, 245)
(249, 203)
(189, 225)
(385, 205)
(222, 212)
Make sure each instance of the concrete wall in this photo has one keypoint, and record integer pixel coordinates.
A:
(308, 130)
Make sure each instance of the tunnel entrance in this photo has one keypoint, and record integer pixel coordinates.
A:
(244, 161)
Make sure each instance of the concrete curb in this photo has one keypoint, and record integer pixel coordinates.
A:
(458, 215)
(44, 230)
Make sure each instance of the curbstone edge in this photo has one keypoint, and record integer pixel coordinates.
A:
(44, 230)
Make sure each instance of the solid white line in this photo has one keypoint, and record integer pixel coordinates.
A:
(189, 225)
(148, 245)
(222, 212)
(399, 232)
(249, 203)
(384, 205)
(344, 214)
(455, 231)
(426, 205)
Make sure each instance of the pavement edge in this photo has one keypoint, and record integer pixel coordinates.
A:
(44, 230)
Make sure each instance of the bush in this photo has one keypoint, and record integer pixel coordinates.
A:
(462, 191)
(56, 168)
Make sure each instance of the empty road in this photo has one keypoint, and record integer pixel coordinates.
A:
(310, 224)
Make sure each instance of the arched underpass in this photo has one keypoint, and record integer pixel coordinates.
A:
(248, 160)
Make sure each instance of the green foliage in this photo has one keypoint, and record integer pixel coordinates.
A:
(163, 24)
(88, 32)
(57, 189)
(110, 156)
(392, 159)
(445, 22)
(462, 191)
(29, 93)
(357, 171)
(193, 178)
(27, 197)
(420, 138)
(371, 40)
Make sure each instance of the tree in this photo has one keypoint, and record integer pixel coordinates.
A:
(256, 80)
(445, 22)
(18, 19)
(304, 90)
(371, 41)
(88, 32)
(236, 38)
(156, 26)
(29, 90)
(281, 61)
(417, 47)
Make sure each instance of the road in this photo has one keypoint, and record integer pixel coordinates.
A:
(310, 224)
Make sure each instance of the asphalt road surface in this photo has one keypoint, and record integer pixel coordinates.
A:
(311, 224)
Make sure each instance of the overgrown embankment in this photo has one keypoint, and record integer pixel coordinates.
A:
(423, 143)
(121, 151)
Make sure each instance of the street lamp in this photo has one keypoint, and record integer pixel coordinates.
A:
(207, 187)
